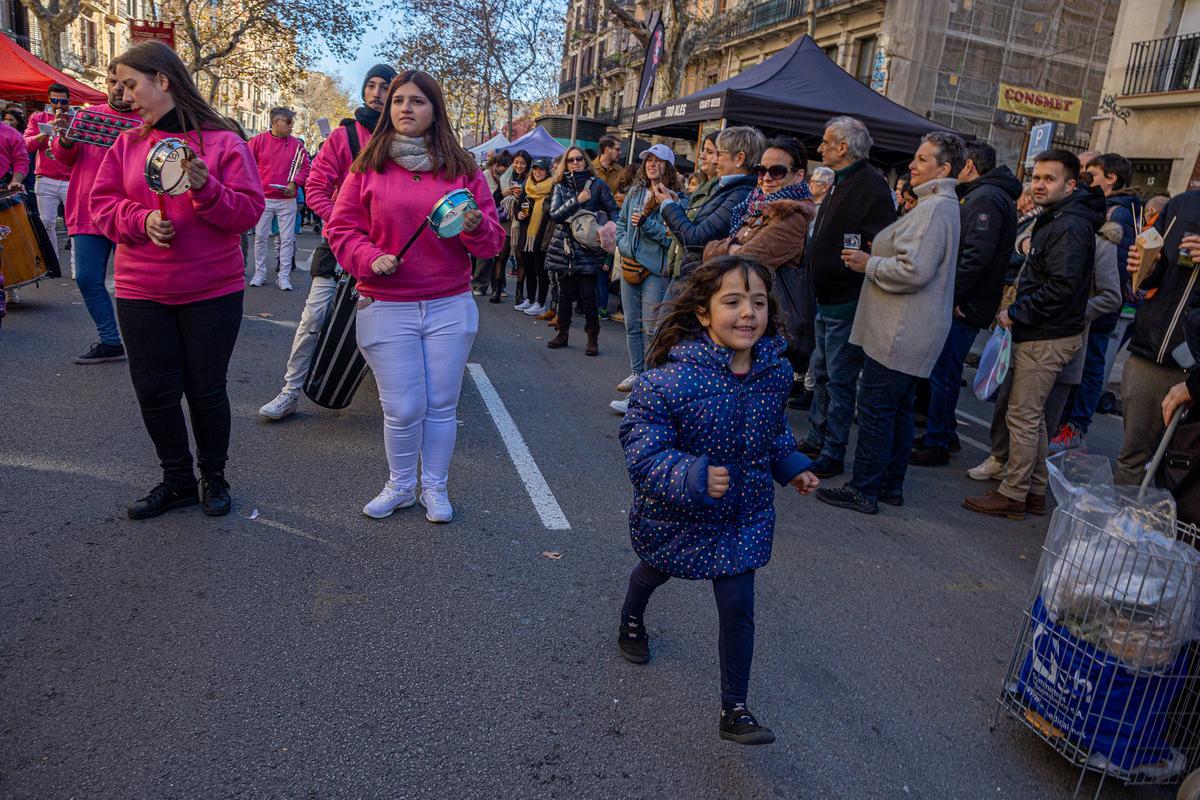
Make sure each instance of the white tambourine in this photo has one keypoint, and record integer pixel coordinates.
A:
(164, 167)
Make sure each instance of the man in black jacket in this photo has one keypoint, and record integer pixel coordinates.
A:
(988, 213)
(858, 207)
(1159, 329)
(1047, 323)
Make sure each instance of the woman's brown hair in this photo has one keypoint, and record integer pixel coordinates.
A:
(561, 170)
(449, 157)
(155, 58)
(681, 321)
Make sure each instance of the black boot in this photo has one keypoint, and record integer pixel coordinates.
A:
(633, 640)
(593, 344)
(214, 494)
(163, 498)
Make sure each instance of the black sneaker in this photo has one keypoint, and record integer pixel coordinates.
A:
(214, 494)
(633, 640)
(896, 500)
(163, 498)
(955, 446)
(809, 449)
(929, 457)
(846, 497)
(739, 725)
(101, 352)
(825, 467)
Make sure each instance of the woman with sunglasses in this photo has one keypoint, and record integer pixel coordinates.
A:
(576, 189)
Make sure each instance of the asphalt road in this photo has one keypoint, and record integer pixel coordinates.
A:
(299, 649)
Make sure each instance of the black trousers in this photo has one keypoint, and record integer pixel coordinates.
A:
(537, 283)
(577, 286)
(178, 350)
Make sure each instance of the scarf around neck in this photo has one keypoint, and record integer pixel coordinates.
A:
(537, 194)
(756, 202)
(367, 117)
(410, 153)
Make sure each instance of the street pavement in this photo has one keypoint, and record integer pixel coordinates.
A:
(297, 649)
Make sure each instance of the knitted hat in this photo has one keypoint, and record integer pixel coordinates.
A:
(378, 71)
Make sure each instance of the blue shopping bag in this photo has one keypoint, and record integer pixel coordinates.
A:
(993, 363)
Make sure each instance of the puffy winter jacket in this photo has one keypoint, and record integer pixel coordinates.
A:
(1158, 328)
(988, 213)
(1125, 209)
(646, 242)
(675, 255)
(711, 221)
(686, 415)
(565, 254)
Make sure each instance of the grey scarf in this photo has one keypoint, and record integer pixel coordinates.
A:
(412, 154)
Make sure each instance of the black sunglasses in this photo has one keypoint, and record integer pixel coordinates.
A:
(776, 171)
(60, 101)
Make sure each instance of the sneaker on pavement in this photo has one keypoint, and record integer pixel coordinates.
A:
(627, 384)
(617, 316)
(619, 406)
(1068, 437)
(929, 457)
(163, 498)
(478, 292)
(809, 449)
(214, 495)
(536, 310)
(825, 467)
(258, 280)
(437, 505)
(847, 497)
(739, 725)
(523, 305)
(390, 498)
(283, 283)
(990, 470)
(955, 444)
(283, 405)
(633, 641)
(101, 353)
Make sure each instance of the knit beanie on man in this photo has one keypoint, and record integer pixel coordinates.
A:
(378, 71)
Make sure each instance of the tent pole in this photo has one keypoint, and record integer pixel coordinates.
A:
(575, 98)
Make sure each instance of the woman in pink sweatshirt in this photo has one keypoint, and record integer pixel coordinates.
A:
(417, 319)
(179, 276)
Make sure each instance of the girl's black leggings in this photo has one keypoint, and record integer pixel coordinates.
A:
(537, 282)
(735, 608)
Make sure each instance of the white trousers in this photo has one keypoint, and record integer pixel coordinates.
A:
(304, 344)
(418, 352)
(285, 211)
(50, 192)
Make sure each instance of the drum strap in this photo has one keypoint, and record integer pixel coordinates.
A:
(351, 127)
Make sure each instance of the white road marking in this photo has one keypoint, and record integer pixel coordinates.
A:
(985, 448)
(535, 484)
(969, 418)
(283, 323)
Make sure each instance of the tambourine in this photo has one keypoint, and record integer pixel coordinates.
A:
(164, 170)
(446, 218)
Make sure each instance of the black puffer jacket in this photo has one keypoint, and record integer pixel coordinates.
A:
(565, 254)
(1158, 328)
(988, 212)
(1053, 289)
(711, 223)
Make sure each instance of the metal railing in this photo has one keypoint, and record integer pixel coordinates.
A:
(1164, 65)
(566, 86)
(767, 15)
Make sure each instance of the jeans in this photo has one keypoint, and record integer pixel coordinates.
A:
(885, 430)
(603, 277)
(572, 287)
(640, 304)
(178, 350)
(1091, 386)
(91, 254)
(835, 366)
(50, 193)
(304, 343)
(945, 382)
(418, 352)
(735, 610)
(285, 210)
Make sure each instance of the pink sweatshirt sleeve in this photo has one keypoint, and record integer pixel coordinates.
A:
(18, 156)
(235, 203)
(348, 229)
(326, 172)
(65, 155)
(32, 143)
(487, 240)
(118, 218)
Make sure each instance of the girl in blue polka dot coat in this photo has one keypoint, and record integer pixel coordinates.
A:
(704, 435)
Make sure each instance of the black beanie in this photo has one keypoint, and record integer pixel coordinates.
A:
(378, 71)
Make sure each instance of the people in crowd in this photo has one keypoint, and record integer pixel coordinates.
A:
(1085, 158)
(179, 274)
(1154, 206)
(90, 248)
(329, 170)
(534, 230)
(901, 322)
(642, 242)
(906, 198)
(53, 177)
(416, 320)
(820, 181)
(511, 183)
(988, 230)
(859, 206)
(1047, 320)
(577, 190)
(13, 118)
(14, 159)
(706, 169)
(704, 436)
(608, 168)
(739, 150)
(283, 167)
(483, 274)
(1153, 370)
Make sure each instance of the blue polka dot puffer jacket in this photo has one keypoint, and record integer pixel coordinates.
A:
(688, 414)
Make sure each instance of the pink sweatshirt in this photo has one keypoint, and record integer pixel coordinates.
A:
(13, 155)
(274, 156)
(205, 257)
(83, 160)
(377, 212)
(330, 168)
(48, 166)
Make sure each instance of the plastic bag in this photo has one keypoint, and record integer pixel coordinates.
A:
(993, 363)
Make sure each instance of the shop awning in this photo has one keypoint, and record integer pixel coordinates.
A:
(25, 78)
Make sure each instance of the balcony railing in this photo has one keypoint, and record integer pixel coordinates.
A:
(587, 80)
(1164, 65)
(767, 15)
(566, 86)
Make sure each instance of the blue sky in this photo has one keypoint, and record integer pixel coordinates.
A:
(365, 58)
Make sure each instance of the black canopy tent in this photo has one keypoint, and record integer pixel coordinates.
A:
(796, 91)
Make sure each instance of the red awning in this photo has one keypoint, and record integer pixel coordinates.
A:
(25, 77)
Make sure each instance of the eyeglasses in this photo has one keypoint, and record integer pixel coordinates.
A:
(576, 160)
(776, 171)
(60, 101)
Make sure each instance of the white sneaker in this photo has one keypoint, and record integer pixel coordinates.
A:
(536, 310)
(619, 406)
(389, 499)
(437, 505)
(627, 384)
(283, 283)
(990, 470)
(521, 306)
(283, 405)
(258, 280)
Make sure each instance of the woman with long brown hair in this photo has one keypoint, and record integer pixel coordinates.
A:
(416, 320)
(179, 274)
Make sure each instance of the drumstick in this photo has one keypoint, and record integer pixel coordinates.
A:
(411, 239)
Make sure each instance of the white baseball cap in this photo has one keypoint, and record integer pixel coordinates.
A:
(659, 151)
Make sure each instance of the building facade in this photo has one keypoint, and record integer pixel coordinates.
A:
(1150, 110)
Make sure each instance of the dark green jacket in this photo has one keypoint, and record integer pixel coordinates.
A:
(699, 197)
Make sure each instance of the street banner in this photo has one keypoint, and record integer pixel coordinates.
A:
(146, 30)
(1040, 105)
(654, 54)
